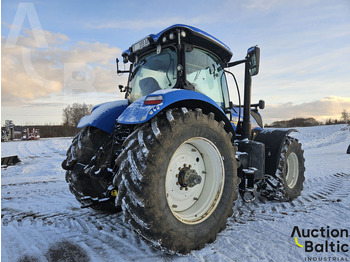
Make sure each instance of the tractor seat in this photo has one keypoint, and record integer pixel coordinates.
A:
(148, 85)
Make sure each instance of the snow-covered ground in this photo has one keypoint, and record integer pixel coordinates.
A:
(42, 221)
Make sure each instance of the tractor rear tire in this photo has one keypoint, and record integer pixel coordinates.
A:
(177, 179)
(84, 146)
(287, 183)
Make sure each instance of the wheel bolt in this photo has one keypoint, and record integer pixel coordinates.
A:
(186, 188)
(177, 183)
(181, 188)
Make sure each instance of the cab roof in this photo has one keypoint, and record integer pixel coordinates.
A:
(194, 36)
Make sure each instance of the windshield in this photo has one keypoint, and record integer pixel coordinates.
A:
(206, 74)
(153, 72)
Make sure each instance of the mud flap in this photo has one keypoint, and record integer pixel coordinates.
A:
(9, 160)
(273, 140)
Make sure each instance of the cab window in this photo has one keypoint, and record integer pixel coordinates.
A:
(206, 74)
(153, 72)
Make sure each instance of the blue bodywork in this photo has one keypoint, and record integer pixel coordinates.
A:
(138, 112)
(194, 29)
(199, 33)
(104, 116)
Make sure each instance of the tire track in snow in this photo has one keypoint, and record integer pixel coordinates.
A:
(93, 229)
(317, 192)
(49, 148)
(104, 236)
(38, 149)
(23, 150)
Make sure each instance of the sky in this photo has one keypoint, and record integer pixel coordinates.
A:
(56, 53)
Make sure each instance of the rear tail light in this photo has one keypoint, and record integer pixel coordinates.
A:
(153, 100)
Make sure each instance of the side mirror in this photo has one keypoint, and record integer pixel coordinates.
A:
(125, 58)
(253, 60)
(261, 104)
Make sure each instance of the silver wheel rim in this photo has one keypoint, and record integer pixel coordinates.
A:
(292, 170)
(193, 205)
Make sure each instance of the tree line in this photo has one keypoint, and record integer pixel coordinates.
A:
(303, 122)
(73, 113)
(71, 117)
(46, 131)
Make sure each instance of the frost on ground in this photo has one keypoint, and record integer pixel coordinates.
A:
(42, 221)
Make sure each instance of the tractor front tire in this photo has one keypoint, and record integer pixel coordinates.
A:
(177, 179)
(287, 183)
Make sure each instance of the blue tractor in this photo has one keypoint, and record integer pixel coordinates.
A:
(176, 153)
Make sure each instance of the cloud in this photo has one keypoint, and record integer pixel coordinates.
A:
(321, 110)
(30, 72)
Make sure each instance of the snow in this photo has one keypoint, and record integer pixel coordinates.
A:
(42, 221)
(142, 143)
(325, 149)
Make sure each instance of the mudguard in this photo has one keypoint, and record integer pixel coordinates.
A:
(103, 116)
(138, 112)
(273, 140)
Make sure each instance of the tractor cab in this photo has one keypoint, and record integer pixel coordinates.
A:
(185, 57)
(178, 57)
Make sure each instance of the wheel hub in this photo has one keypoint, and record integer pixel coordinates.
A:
(189, 177)
(194, 180)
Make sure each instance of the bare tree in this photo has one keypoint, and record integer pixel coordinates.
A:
(73, 113)
(345, 116)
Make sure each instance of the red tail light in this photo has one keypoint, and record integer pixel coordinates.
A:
(153, 100)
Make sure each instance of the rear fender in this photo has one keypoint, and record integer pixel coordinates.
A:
(273, 140)
(138, 112)
(103, 116)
